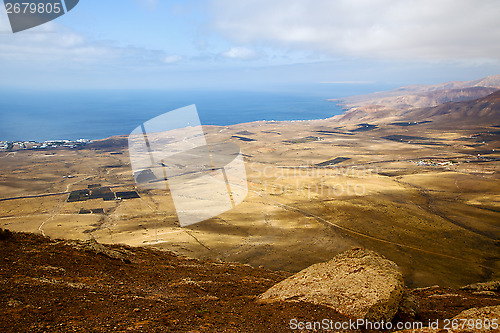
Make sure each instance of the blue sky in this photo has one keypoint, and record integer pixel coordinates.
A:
(254, 44)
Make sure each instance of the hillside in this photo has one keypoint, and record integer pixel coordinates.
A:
(419, 96)
(424, 197)
(480, 111)
(484, 110)
(60, 286)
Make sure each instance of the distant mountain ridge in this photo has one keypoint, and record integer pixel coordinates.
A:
(484, 110)
(469, 101)
(415, 96)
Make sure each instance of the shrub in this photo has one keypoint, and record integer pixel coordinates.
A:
(5, 234)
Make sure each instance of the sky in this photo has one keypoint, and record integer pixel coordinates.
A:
(253, 44)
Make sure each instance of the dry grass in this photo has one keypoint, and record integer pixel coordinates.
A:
(439, 223)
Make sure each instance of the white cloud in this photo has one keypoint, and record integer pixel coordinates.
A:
(240, 52)
(172, 59)
(402, 29)
(51, 43)
(50, 46)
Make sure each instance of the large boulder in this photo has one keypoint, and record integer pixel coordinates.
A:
(358, 283)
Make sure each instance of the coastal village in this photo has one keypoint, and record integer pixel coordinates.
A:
(29, 145)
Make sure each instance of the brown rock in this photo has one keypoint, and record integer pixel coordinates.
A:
(358, 283)
(94, 246)
(481, 317)
(408, 307)
(484, 286)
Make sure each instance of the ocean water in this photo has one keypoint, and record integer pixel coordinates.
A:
(48, 115)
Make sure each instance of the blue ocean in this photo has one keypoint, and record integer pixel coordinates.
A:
(50, 115)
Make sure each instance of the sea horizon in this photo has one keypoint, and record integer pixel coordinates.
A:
(29, 115)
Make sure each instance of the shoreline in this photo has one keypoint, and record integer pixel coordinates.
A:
(11, 146)
(119, 114)
(80, 143)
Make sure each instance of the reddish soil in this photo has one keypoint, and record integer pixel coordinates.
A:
(64, 286)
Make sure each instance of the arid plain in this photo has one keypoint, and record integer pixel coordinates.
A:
(425, 196)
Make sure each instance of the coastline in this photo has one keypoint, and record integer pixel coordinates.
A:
(305, 193)
(95, 115)
(10, 146)
(80, 143)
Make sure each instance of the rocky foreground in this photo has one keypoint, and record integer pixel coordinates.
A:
(67, 286)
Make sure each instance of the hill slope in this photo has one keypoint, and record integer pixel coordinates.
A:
(419, 96)
(484, 110)
(60, 286)
(481, 111)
